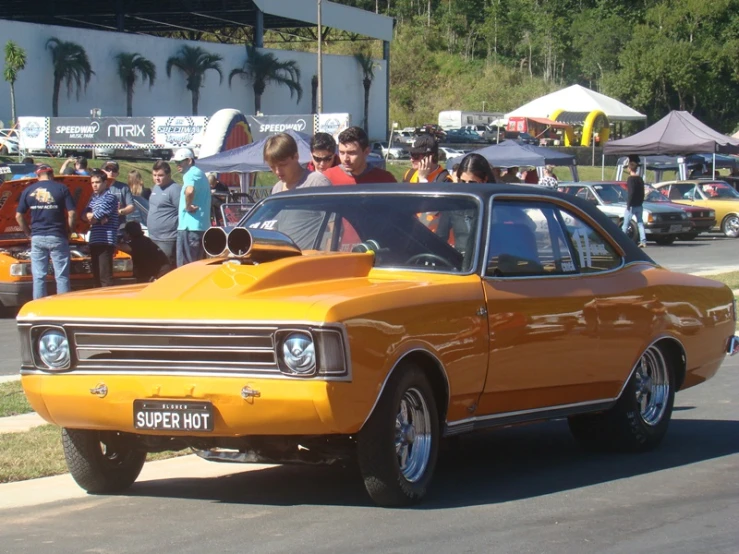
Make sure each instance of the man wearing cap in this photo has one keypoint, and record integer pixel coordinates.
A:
(425, 162)
(194, 211)
(47, 201)
(120, 190)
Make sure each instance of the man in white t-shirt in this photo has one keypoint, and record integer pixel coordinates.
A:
(281, 155)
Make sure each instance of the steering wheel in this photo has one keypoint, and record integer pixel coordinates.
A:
(429, 257)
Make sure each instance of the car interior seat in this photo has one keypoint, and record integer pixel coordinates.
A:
(513, 250)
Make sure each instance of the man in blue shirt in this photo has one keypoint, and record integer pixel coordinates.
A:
(47, 201)
(102, 215)
(194, 211)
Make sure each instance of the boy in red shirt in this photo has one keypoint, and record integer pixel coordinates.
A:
(353, 152)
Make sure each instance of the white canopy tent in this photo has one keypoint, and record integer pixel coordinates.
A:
(577, 99)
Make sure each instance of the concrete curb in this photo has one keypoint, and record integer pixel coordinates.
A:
(61, 487)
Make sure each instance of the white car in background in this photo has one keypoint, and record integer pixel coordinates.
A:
(9, 142)
(391, 153)
(446, 153)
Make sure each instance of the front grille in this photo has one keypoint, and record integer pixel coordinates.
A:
(672, 217)
(176, 348)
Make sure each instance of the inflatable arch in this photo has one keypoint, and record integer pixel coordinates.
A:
(227, 129)
(595, 121)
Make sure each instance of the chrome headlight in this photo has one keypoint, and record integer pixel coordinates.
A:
(52, 349)
(123, 265)
(684, 216)
(298, 353)
(20, 270)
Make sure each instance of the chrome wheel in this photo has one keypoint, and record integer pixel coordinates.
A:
(652, 389)
(413, 435)
(730, 226)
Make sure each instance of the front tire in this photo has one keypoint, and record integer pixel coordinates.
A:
(639, 420)
(101, 462)
(631, 230)
(730, 226)
(398, 447)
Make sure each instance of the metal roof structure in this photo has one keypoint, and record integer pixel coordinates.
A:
(156, 16)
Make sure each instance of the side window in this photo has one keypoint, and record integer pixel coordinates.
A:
(526, 239)
(594, 253)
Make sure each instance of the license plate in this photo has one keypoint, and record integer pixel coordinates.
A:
(172, 415)
(676, 228)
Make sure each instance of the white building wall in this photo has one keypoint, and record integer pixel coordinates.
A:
(343, 91)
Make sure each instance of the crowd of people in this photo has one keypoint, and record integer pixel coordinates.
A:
(179, 214)
(177, 218)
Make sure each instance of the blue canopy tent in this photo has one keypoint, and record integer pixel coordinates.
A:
(250, 158)
(511, 153)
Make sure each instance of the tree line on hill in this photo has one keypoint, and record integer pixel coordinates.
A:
(654, 55)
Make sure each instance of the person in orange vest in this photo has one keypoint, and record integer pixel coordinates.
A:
(425, 162)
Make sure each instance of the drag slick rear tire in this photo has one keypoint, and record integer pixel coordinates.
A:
(398, 446)
(639, 420)
(101, 462)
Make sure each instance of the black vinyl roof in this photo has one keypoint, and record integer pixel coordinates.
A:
(144, 16)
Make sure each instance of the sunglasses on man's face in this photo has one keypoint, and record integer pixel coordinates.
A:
(418, 156)
(322, 159)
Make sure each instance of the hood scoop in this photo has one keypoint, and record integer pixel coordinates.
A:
(256, 245)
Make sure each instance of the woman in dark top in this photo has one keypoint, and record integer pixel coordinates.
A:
(457, 227)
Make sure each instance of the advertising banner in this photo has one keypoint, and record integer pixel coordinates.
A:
(33, 131)
(179, 131)
(333, 123)
(265, 125)
(102, 131)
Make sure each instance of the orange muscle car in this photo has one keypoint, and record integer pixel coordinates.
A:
(16, 281)
(333, 325)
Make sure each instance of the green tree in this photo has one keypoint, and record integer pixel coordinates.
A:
(193, 61)
(131, 67)
(263, 68)
(367, 66)
(71, 65)
(15, 61)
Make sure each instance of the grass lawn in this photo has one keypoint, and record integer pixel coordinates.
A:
(731, 279)
(13, 400)
(38, 453)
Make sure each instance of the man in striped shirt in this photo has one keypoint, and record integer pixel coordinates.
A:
(102, 214)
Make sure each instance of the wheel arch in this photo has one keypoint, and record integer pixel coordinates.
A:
(676, 351)
(672, 348)
(432, 368)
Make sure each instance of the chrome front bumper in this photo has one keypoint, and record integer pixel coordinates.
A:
(733, 346)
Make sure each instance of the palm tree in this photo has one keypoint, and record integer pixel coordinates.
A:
(15, 61)
(70, 65)
(264, 68)
(193, 61)
(367, 65)
(131, 66)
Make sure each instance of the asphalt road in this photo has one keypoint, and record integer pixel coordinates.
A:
(712, 252)
(524, 490)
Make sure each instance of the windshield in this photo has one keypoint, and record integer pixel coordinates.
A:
(718, 190)
(653, 195)
(404, 230)
(611, 194)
